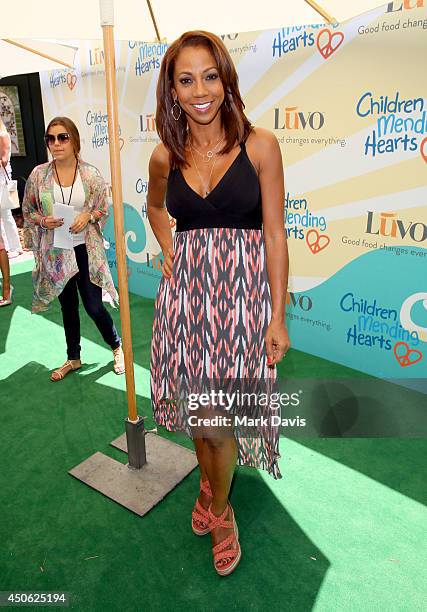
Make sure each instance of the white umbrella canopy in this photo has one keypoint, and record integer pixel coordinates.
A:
(80, 18)
(20, 56)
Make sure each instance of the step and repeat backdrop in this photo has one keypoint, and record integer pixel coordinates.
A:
(348, 105)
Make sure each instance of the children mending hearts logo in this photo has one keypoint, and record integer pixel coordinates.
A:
(328, 42)
(405, 355)
(71, 80)
(316, 242)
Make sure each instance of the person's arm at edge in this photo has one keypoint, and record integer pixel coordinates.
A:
(271, 177)
(4, 150)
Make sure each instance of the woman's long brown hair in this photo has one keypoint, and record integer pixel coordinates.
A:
(234, 121)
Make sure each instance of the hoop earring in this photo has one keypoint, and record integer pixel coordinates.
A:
(173, 110)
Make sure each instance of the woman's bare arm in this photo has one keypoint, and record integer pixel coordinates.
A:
(4, 150)
(273, 194)
(156, 211)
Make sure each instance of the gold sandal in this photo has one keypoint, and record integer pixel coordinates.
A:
(63, 371)
(119, 360)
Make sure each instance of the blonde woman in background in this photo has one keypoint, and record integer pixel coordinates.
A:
(9, 231)
(7, 289)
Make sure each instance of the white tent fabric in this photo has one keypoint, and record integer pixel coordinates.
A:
(81, 18)
(30, 56)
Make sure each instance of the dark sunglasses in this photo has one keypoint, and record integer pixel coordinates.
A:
(51, 138)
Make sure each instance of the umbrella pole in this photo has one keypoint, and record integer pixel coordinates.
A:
(134, 424)
(328, 18)
(169, 463)
(37, 52)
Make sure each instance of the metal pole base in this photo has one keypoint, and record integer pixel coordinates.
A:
(139, 490)
(135, 436)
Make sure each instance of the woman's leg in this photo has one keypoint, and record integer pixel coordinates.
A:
(5, 271)
(11, 231)
(216, 449)
(222, 458)
(92, 300)
(203, 458)
(221, 462)
(69, 301)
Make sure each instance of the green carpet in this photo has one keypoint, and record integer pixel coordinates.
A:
(342, 530)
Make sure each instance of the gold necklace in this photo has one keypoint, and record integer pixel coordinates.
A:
(209, 154)
(206, 187)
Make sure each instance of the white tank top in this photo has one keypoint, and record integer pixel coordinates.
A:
(77, 200)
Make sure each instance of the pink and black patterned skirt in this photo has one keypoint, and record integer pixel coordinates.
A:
(210, 320)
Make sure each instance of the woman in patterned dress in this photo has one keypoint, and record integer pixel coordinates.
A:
(220, 307)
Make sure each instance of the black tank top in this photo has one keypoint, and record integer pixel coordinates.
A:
(234, 202)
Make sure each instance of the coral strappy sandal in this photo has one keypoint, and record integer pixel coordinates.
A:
(200, 516)
(222, 551)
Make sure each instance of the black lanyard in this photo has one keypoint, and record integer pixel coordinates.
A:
(72, 186)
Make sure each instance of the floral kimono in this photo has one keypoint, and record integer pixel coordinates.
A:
(54, 266)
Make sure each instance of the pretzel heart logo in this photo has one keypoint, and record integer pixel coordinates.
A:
(330, 42)
(422, 151)
(405, 355)
(71, 80)
(316, 242)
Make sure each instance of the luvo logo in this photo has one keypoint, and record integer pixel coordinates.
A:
(154, 261)
(293, 119)
(390, 226)
(229, 36)
(398, 5)
(301, 301)
(147, 123)
(96, 56)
